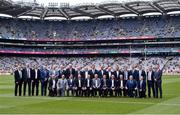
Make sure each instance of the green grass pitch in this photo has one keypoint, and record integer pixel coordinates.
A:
(170, 104)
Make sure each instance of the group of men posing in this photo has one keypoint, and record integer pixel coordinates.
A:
(89, 82)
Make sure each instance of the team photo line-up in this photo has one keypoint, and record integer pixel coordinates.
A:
(104, 82)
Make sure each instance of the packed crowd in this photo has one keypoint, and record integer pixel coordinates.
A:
(88, 50)
(93, 29)
(8, 64)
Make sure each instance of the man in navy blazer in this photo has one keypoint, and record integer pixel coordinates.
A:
(89, 86)
(93, 71)
(120, 86)
(142, 87)
(70, 85)
(112, 85)
(101, 72)
(104, 86)
(44, 75)
(150, 82)
(131, 86)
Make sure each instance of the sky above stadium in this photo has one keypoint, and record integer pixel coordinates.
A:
(75, 2)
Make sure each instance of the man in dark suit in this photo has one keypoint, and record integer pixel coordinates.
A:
(18, 80)
(52, 86)
(93, 71)
(96, 85)
(117, 72)
(26, 75)
(112, 85)
(109, 72)
(101, 72)
(79, 71)
(135, 73)
(104, 86)
(142, 87)
(70, 71)
(89, 85)
(85, 73)
(141, 73)
(131, 86)
(120, 86)
(44, 75)
(70, 85)
(35, 80)
(62, 71)
(78, 85)
(150, 82)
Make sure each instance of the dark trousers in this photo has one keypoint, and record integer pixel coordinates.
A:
(104, 92)
(95, 91)
(151, 87)
(120, 92)
(27, 82)
(88, 92)
(79, 91)
(111, 92)
(131, 93)
(18, 86)
(52, 92)
(44, 88)
(35, 85)
(158, 89)
(142, 94)
(70, 90)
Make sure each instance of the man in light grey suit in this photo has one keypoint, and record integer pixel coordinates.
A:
(62, 85)
(96, 85)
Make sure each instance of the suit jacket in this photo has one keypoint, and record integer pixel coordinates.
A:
(17, 76)
(50, 86)
(119, 83)
(84, 74)
(79, 72)
(76, 82)
(98, 83)
(135, 74)
(70, 83)
(44, 75)
(142, 86)
(128, 74)
(152, 76)
(103, 83)
(25, 75)
(92, 73)
(131, 84)
(101, 73)
(110, 83)
(62, 72)
(33, 74)
(62, 84)
(70, 71)
(158, 75)
(90, 83)
(143, 73)
(117, 75)
(109, 74)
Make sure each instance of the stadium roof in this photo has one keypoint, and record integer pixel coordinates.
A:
(65, 11)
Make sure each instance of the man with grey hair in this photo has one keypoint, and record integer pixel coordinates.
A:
(62, 85)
